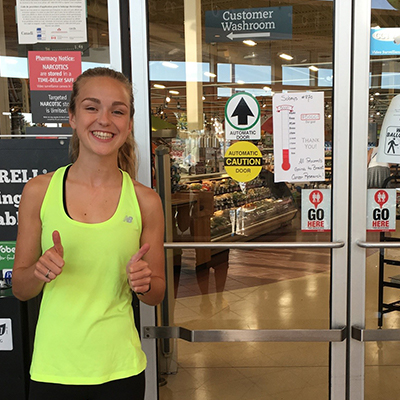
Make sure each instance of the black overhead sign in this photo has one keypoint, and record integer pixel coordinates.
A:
(270, 23)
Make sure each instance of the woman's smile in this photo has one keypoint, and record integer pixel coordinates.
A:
(102, 135)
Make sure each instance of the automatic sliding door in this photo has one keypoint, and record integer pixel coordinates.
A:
(194, 68)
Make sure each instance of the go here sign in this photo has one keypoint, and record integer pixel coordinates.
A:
(381, 210)
(316, 210)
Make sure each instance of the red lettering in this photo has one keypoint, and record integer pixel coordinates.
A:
(380, 224)
(315, 224)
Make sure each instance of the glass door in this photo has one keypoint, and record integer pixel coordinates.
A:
(374, 345)
(256, 305)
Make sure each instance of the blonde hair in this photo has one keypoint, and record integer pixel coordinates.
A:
(126, 153)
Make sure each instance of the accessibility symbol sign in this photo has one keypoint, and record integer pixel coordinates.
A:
(243, 161)
(242, 117)
(392, 140)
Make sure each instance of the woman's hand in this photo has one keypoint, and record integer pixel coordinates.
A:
(50, 264)
(139, 272)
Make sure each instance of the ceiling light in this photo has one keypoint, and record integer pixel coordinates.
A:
(285, 56)
(210, 74)
(170, 64)
(252, 55)
(173, 92)
(157, 86)
(267, 88)
(377, 94)
(203, 98)
(240, 82)
(313, 68)
(168, 99)
(250, 42)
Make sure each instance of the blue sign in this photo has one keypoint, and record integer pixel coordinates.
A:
(385, 41)
(270, 23)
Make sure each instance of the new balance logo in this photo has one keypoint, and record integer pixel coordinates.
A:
(128, 219)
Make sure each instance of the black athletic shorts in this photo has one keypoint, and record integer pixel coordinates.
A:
(122, 389)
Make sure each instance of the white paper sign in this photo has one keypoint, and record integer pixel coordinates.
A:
(299, 153)
(389, 142)
(381, 210)
(316, 210)
(6, 340)
(51, 21)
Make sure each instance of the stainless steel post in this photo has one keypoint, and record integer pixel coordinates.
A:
(167, 356)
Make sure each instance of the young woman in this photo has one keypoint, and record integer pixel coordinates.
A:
(89, 234)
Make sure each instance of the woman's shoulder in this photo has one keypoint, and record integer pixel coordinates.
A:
(144, 192)
(149, 203)
(36, 187)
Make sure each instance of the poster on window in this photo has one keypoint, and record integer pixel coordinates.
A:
(298, 127)
(50, 21)
(389, 139)
(51, 75)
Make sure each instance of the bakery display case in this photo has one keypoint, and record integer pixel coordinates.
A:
(217, 208)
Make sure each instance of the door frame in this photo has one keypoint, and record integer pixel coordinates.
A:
(340, 190)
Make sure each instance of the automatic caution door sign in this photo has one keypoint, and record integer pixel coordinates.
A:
(316, 210)
(381, 210)
(243, 161)
(242, 117)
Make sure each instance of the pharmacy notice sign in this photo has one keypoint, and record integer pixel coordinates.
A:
(316, 210)
(51, 76)
(381, 210)
(242, 117)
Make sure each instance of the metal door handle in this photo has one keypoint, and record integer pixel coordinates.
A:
(378, 245)
(375, 335)
(245, 335)
(253, 245)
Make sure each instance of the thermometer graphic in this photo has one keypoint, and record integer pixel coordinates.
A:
(284, 111)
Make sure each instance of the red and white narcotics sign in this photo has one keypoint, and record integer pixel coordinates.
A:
(316, 210)
(51, 75)
(381, 210)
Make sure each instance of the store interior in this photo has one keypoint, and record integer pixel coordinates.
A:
(257, 288)
(238, 289)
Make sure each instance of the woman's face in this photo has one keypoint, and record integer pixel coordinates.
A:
(102, 115)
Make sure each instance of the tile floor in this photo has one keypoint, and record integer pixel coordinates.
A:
(271, 290)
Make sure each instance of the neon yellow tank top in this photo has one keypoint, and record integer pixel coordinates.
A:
(85, 332)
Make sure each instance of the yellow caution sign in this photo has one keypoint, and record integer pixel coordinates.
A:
(243, 161)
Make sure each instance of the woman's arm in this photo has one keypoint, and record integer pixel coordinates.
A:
(30, 268)
(146, 268)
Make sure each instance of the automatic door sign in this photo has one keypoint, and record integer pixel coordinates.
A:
(243, 161)
(242, 117)
(316, 210)
(381, 210)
